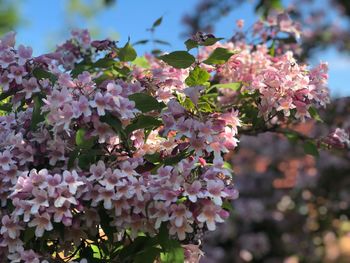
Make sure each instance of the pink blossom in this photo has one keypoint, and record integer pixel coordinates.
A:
(60, 213)
(210, 215)
(29, 256)
(17, 73)
(106, 196)
(103, 131)
(286, 104)
(193, 190)
(160, 212)
(97, 171)
(181, 230)
(7, 57)
(63, 196)
(120, 205)
(215, 191)
(11, 227)
(41, 222)
(193, 93)
(51, 184)
(8, 40)
(101, 102)
(40, 200)
(24, 54)
(65, 80)
(5, 81)
(179, 214)
(72, 180)
(26, 154)
(81, 107)
(6, 160)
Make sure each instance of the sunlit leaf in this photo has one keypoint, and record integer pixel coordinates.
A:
(178, 59)
(219, 56)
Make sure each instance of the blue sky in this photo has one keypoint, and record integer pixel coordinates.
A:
(45, 23)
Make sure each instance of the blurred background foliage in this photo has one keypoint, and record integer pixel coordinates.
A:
(9, 18)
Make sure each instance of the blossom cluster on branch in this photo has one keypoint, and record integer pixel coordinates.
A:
(108, 156)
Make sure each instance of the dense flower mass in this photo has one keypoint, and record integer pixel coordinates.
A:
(284, 86)
(118, 152)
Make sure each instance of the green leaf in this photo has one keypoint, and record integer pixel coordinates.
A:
(314, 114)
(233, 86)
(190, 44)
(112, 121)
(97, 253)
(205, 107)
(228, 166)
(162, 42)
(29, 234)
(127, 53)
(292, 136)
(178, 59)
(146, 103)
(129, 251)
(73, 155)
(272, 49)
(172, 250)
(148, 255)
(210, 41)
(188, 104)
(123, 72)
(219, 56)
(86, 252)
(5, 95)
(141, 62)
(175, 255)
(40, 73)
(37, 116)
(7, 107)
(197, 77)
(141, 42)
(143, 122)
(153, 158)
(227, 205)
(86, 159)
(310, 148)
(157, 22)
(81, 141)
(84, 65)
(105, 63)
(176, 159)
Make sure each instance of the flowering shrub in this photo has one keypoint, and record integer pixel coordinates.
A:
(106, 156)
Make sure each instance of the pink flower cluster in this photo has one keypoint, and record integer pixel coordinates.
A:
(284, 86)
(44, 190)
(94, 144)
